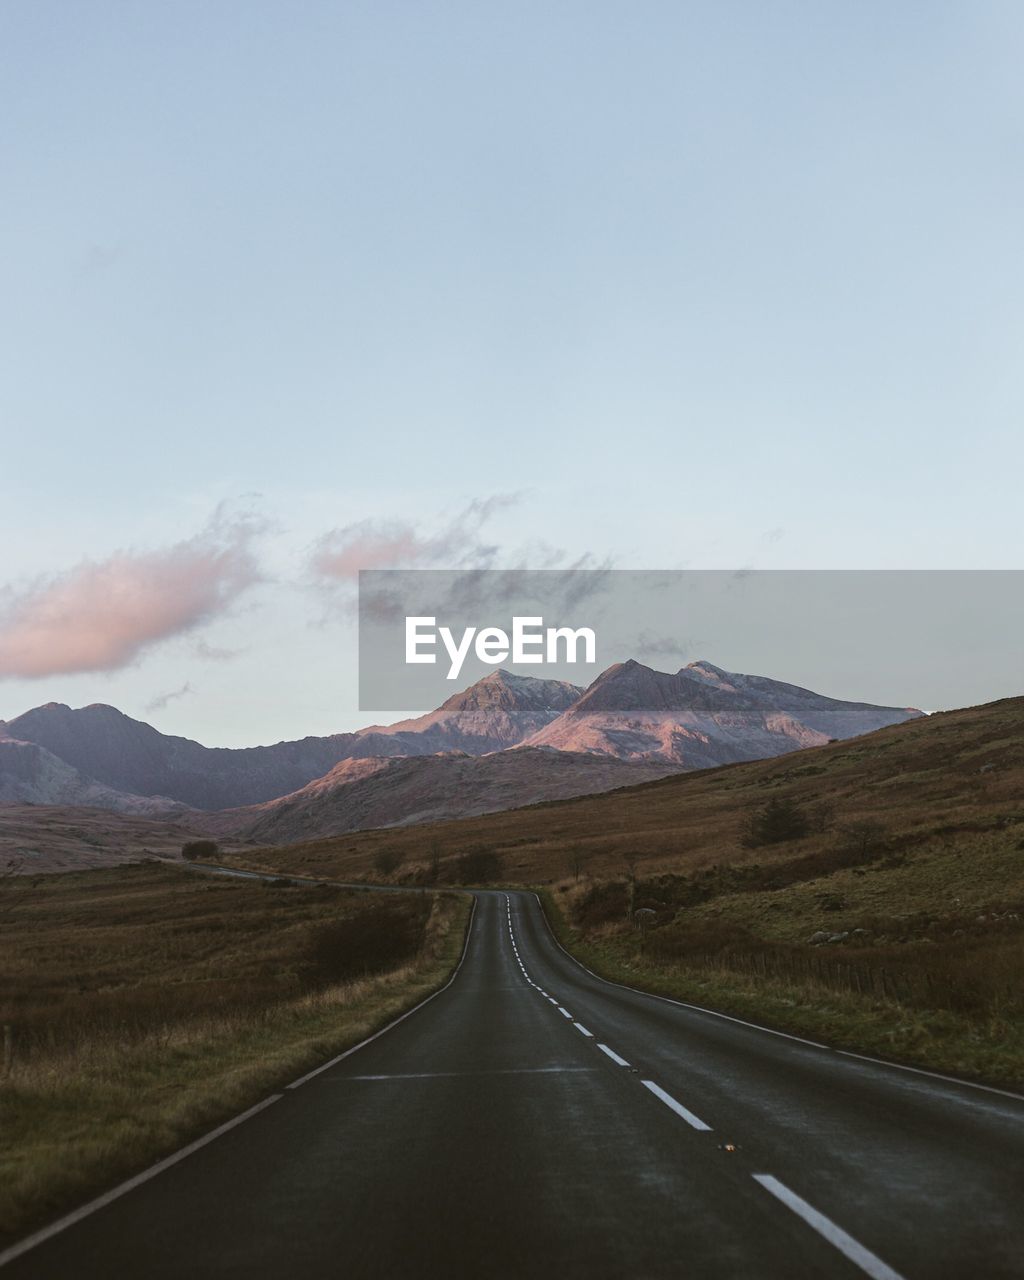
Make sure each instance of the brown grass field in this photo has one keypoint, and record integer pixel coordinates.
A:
(910, 876)
(149, 1003)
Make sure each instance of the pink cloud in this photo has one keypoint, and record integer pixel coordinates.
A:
(102, 615)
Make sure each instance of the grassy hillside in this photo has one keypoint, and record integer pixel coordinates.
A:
(886, 915)
(938, 782)
(147, 1004)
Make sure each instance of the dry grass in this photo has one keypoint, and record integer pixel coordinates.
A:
(931, 899)
(149, 1004)
(949, 776)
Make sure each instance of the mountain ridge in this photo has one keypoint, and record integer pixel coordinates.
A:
(702, 716)
(696, 717)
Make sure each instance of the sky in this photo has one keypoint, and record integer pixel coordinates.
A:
(293, 289)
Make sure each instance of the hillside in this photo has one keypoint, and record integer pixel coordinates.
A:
(29, 774)
(951, 776)
(79, 837)
(398, 792)
(886, 915)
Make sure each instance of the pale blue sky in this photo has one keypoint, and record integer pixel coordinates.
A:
(708, 284)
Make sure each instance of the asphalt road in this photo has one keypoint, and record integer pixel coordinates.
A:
(532, 1121)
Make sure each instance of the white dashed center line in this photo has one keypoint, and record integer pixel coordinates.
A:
(868, 1262)
(695, 1122)
(861, 1257)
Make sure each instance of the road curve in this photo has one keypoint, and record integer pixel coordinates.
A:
(534, 1121)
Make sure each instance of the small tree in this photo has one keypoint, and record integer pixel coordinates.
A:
(862, 839)
(631, 862)
(199, 850)
(780, 819)
(434, 862)
(576, 860)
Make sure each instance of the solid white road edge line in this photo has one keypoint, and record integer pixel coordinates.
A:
(401, 1018)
(620, 1061)
(935, 1075)
(695, 1122)
(69, 1220)
(771, 1031)
(868, 1262)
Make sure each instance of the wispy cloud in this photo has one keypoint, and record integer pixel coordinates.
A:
(103, 615)
(162, 699)
(213, 652)
(338, 555)
(650, 645)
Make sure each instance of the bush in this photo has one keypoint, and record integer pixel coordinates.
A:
(385, 861)
(600, 904)
(199, 850)
(781, 819)
(863, 839)
(381, 937)
(479, 866)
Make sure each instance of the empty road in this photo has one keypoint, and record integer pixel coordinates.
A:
(533, 1121)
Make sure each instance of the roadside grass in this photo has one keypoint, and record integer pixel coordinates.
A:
(147, 1005)
(934, 985)
(910, 864)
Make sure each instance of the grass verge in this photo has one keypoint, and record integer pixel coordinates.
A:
(987, 1047)
(148, 1005)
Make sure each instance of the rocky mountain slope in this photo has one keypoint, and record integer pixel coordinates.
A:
(499, 711)
(505, 742)
(399, 792)
(702, 716)
(31, 775)
(949, 782)
(104, 744)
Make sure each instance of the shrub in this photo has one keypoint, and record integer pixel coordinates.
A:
(385, 861)
(862, 839)
(779, 820)
(600, 904)
(381, 937)
(199, 850)
(479, 866)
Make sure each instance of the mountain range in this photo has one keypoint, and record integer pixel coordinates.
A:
(506, 741)
(702, 716)
(104, 744)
